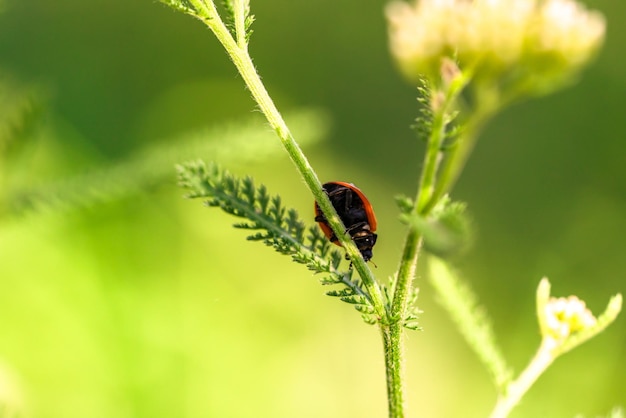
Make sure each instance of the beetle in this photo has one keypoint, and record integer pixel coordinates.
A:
(356, 213)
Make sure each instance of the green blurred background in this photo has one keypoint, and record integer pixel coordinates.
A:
(149, 305)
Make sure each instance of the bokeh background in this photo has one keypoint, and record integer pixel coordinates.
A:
(145, 304)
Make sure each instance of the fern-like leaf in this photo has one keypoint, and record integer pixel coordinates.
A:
(446, 230)
(238, 20)
(20, 112)
(457, 297)
(276, 226)
(424, 122)
(248, 25)
(228, 16)
(423, 126)
(183, 6)
(412, 312)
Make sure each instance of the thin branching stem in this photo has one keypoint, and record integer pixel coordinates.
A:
(459, 152)
(431, 159)
(412, 245)
(243, 62)
(516, 390)
(240, 23)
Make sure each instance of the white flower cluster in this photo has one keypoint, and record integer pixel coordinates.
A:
(493, 36)
(564, 316)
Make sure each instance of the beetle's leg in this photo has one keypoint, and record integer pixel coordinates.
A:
(356, 226)
(348, 199)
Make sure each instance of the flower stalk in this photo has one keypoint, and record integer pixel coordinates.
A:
(564, 323)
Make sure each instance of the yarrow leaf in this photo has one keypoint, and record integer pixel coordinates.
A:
(412, 312)
(424, 122)
(276, 226)
(471, 318)
(229, 17)
(446, 230)
(180, 5)
(237, 18)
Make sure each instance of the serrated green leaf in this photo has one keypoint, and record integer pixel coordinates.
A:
(355, 299)
(279, 227)
(405, 204)
(365, 309)
(446, 230)
(340, 293)
(183, 6)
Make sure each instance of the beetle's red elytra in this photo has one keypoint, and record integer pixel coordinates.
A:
(356, 213)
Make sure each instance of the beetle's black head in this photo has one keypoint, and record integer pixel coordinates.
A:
(365, 241)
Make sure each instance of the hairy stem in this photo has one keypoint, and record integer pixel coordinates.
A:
(393, 344)
(516, 389)
(243, 62)
(431, 162)
(240, 23)
(459, 152)
(442, 103)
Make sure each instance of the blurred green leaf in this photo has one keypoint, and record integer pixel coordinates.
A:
(446, 230)
(237, 142)
(20, 111)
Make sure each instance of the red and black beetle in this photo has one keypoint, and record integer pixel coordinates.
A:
(356, 213)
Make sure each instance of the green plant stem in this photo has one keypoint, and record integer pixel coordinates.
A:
(412, 244)
(393, 337)
(238, 52)
(393, 332)
(240, 22)
(516, 389)
(426, 193)
(457, 155)
(442, 103)
(393, 345)
(431, 161)
(427, 190)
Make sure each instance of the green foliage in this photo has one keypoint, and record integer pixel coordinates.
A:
(249, 20)
(20, 111)
(274, 225)
(405, 204)
(229, 17)
(239, 141)
(471, 319)
(234, 11)
(235, 15)
(184, 6)
(424, 122)
(412, 312)
(446, 230)
(430, 100)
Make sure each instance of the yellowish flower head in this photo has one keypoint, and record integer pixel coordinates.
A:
(417, 33)
(565, 316)
(496, 38)
(567, 29)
